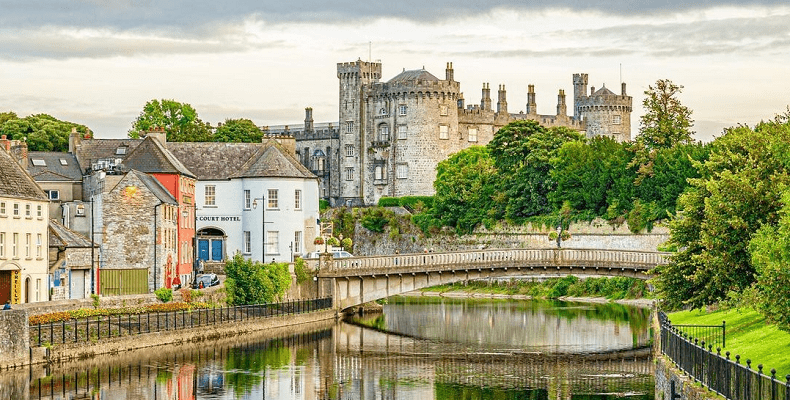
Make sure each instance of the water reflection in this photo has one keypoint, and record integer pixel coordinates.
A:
(344, 361)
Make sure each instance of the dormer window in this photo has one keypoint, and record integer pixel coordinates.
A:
(39, 162)
(120, 151)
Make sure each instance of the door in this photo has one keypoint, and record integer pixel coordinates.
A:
(203, 249)
(216, 250)
(77, 284)
(5, 286)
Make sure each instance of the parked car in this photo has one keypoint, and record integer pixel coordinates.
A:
(341, 254)
(205, 280)
(313, 255)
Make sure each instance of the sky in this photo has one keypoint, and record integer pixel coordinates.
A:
(97, 62)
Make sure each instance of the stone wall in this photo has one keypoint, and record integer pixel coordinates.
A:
(14, 338)
(666, 373)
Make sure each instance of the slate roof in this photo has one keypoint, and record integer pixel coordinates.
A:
(272, 160)
(155, 187)
(213, 160)
(413, 75)
(603, 92)
(54, 170)
(92, 150)
(15, 182)
(151, 157)
(60, 236)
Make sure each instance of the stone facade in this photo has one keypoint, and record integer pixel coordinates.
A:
(14, 338)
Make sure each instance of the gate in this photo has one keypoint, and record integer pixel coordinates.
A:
(116, 282)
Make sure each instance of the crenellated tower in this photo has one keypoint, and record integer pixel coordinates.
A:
(579, 93)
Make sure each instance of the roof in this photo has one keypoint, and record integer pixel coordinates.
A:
(53, 166)
(603, 92)
(413, 75)
(15, 182)
(151, 157)
(60, 236)
(213, 160)
(153, 186)
(92, 150)
(272, 160)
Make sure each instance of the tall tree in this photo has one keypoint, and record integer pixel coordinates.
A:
(179, 120)
(238, 130)
(41, 131)
(666, 122)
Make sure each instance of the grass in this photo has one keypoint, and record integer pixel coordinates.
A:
(748, 334)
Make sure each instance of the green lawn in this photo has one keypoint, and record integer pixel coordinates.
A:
(748, 335)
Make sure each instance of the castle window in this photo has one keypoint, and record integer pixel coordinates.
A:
(380, 173)
(402, 109)
(403, 171)
(383, 111)
(403, 132)
(349, 173)
(443, 109)
(349, 150)
(384, 133)
(616, 119)
(349, 126)
(473, 134)
(444, 132)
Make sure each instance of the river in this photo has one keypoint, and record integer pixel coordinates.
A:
(418, 348)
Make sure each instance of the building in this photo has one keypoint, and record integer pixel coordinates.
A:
(60, 176)
(70, 257)
(23, 230)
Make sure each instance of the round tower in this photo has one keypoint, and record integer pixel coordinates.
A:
(607, 114)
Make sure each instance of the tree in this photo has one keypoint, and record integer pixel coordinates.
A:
(738, 192)
(238, 130)
(251, 282)
(42, 132)
(521, 151)
(179, 120)
(666, 121)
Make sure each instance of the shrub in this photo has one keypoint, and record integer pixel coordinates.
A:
(164, 295)
(302, 272)
(561, 287)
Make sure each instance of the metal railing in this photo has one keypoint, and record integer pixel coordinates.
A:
(727, 377)
(92, 329)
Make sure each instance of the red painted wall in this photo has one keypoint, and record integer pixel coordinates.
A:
(183, 189)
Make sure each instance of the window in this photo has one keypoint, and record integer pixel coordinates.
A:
(2, 209)
(402, 109)
(247, 200)
(443, 109)
(383, 111)
(15, 246)
(403, 171)
(444, 132)
(320, 162)
(472, 134)
(120, 151)
(384, 133)
(273, 242)
(39, 245)
(80, 210)
(27, 245)
(211, 197)
(39, 211)
(38, 162)
(38, 289)
(349, 126)
(298, 242)
(349, 173)
(53, 194)
(273, 202)
(28, 211)
(2, 244)
(63, 161)
(297, 199)
(616, 119)
(16, 210)
(349, 150)
(403, 133)
(247, 248)
(380, 173)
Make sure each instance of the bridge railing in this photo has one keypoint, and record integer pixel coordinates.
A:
(520, 257)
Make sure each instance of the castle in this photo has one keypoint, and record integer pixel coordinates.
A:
(391, 135)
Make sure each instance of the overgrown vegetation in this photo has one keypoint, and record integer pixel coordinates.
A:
(251, 282)
(303, 274)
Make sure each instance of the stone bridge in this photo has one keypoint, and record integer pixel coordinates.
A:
(354, 281)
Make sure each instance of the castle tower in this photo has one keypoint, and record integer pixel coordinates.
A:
(606, 114)
(562, 109)
(501, 104)
(449, 73)
(485, 102)
(579, 93)
(354, 79)
(308, 119)
(532, 107)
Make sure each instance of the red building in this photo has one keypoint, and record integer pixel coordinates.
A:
(151, 157)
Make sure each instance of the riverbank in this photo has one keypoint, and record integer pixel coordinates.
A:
(644, 303)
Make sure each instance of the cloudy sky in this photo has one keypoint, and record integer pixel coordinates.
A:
(97, 62)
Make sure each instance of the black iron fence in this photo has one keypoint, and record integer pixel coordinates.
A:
(721, 374)
(714, 335)
(92, 329)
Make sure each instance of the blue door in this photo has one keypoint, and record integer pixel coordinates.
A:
(216, 250)
(203, 249)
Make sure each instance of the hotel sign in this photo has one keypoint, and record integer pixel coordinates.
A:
(219, 218)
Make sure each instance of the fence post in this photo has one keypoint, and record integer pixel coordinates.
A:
(723, 333)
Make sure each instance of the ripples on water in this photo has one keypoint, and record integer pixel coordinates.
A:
(417, 349)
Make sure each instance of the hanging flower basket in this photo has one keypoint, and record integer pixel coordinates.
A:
(318, 240)
(565, 235)
(333, 241)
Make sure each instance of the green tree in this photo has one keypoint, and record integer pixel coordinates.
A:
(41, 131)
(770, 248)
(521, 151)
(179, 120)
(250, 282)
(739, 191)
(668, 178)
(666, 121)
(238, 130)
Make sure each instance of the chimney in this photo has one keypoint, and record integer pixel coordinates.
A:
(449, 73)
(562, 108)
(592, 90)
(501, 104)
(485, 103)
(532, 106)
(75, 140)
(622, 89)
(159, 134)
(308, 120)
(5, 143)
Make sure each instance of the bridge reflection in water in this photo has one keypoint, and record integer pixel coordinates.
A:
(338, 362)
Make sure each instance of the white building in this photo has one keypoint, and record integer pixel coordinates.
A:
(23, 232)
(252, 198)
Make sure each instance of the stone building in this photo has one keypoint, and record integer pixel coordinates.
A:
(69, 263)
(391, 135)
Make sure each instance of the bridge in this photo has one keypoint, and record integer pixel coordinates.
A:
(358, 280)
